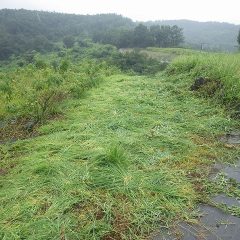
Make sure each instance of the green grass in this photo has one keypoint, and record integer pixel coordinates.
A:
(168, 54)
(35, 91)
(163, 54)
(129, 157)
(222, 72)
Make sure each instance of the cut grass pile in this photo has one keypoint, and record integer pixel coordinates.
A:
(128, 158)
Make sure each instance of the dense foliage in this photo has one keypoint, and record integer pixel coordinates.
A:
(142, 36)
(212, 36)
(238, 38)
(23, 31)
(137, 62)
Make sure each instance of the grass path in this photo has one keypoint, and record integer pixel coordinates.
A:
(131, 156)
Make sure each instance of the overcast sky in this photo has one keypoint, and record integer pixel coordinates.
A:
(201, 10)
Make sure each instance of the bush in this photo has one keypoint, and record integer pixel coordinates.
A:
(138, 63)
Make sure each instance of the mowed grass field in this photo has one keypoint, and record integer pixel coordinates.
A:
(130, 157)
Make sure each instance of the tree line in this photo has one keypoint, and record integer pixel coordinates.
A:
(238, 38)
(142, 36)
(23, 31)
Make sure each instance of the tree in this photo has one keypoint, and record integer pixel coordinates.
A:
(142, 36)
(166, 36)
(155, 33)
(238, 38)
(176, 36)
(41, 44)
(126, 39)
(165, 33)
(68, 41)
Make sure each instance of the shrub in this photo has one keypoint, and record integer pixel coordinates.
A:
(40, 64)
(138, 63)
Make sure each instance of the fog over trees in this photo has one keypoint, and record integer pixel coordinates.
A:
(23, 31)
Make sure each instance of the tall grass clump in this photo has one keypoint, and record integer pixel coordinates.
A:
(221, 74)
(114, 156)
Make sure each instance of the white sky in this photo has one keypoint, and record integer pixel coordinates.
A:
(143, 10)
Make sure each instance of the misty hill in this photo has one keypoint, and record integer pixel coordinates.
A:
(25, 30)
(214, 35)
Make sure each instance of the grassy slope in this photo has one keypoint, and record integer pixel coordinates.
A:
(130, 156)
(168, 54)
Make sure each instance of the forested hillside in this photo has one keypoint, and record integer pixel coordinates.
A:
(213, 35)
(23, 31)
